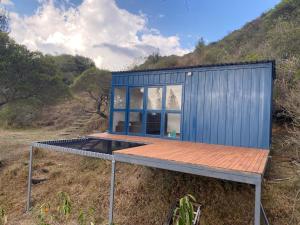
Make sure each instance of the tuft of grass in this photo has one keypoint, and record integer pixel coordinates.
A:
(88, 217)
(44, 215)
(3, 216)
(65, 205)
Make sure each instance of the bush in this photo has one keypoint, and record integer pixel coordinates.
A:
(19, 113)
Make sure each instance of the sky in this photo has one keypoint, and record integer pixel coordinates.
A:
(117, 34)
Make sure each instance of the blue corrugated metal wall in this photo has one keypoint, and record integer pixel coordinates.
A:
(229, 105)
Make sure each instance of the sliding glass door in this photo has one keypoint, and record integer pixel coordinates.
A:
(154, 110)
(148, 111)
(136, 110)
(119, 110)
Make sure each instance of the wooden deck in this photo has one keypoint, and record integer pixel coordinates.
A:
(239, 159)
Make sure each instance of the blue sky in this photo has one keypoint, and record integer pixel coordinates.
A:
(172, 26)
(191, 19)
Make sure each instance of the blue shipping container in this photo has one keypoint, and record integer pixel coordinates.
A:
(227, 104)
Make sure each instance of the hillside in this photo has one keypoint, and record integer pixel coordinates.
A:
(274, 35)
(31, 81)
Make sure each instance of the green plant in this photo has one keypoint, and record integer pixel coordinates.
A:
(44, 214)
(184, 214)
(3, 217)
(83, 217)
(65, 206)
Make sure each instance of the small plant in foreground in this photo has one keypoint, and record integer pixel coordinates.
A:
(81, 218)
(65, 206)
(63, 212)
(44, 214)
(84, 217)
(184, 213)
(3, 217)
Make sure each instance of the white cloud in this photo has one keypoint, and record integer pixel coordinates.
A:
(112, 37)
(6, 2)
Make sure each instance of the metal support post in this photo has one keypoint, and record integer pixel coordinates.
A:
(112, 191)
(29, 180)
(257, 202)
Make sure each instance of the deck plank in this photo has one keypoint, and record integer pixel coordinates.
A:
(250, 160)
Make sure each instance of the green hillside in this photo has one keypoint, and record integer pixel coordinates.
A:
(274, 35)
(31, 81)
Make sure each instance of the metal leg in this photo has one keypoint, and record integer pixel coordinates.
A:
(29, 180)
(257, 203)
(112, 191)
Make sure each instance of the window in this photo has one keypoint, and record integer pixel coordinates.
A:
(172, 118)
(136, 98)
(119, 110)
(136, 110)
(153, 123)
(154, 110)
(135, 122)
(120, 98)
(154, 98)
(173, 97)
(172, 125)
(119, 122)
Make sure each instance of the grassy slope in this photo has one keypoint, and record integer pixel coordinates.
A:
(143, 195)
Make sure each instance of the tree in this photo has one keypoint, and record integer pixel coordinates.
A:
(96, 83)
(4, 20)
(153, 58)
(25, 74)
(200, 46)
(71, 66)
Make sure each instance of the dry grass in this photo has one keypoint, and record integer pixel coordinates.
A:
(143, 195)
(72, 113)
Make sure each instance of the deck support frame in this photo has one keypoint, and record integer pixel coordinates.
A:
(46, 145)
(112, 192)
(236, 176)
(29, 179)
(242, 177)
(257, 205)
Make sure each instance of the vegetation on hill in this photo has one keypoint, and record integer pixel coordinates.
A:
(274, 35)
(70, 66)
(28, 79)
(96, 84)
(31, 80)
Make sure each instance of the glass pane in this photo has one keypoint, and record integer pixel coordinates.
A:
(120, 98)
(135, 122)
(119, 122)
(136, 98)
(154, 98)
(172, 125)
(173, 97)
(153, 123)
